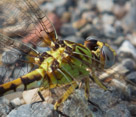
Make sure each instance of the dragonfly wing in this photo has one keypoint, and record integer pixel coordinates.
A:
(30, 23)
(28, 27)
(16, 58)
(24, 21)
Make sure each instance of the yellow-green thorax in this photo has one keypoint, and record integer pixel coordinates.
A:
(66, 63)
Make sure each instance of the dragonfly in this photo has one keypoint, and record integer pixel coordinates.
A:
(65, 64)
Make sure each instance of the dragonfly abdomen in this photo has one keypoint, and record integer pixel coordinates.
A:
(28, 81)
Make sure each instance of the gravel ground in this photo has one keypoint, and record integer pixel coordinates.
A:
(111, 21)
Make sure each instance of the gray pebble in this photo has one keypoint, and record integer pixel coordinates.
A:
(75, 39)
(131, 77)
(67, 30)
(35, 110)
(129, 64)
(5, 107)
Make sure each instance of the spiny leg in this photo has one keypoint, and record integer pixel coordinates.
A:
(87, 88)
(96, 105)
(66, 95)
(97, 81)
(40, 95)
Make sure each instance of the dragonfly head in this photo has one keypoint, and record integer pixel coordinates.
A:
(103, 52)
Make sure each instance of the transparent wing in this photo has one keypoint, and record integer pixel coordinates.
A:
(28, 27)
(23, 19)
(16, 58)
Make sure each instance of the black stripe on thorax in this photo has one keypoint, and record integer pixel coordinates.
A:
(44, 56)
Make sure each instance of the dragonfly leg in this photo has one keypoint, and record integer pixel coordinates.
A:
(95, 105)
(97, 81)
(42, 98)
(40, 95)
(41, 89)
(66, 95)
(87, 88)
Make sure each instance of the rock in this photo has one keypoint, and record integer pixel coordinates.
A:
(60, 10)
(118, 71)
(34, 110)
(78, 106)
(5, 107)
(85, 32)
(13, 30)
(60, 3)
(3, 70)
(13, 96)
(28, 99)
(104, 5)
(131, 77)
(48, 6)
(127, 48)
(132, 109)
(118, 84)
(79, 24)
(130, 19)
(85, 5)
(108, 19)
(103, 104)
(120, 2)
(11, 56)
(108, 101)
(20, 71)
(129, 64)
(120, 110)
(67, 30)
(70, 3)
(16, 102)
(119, 40)
(90, 30)
(119, 11)
(34, 97)
(131, 90)
(75, 39)
(66, 17)
(119, 31)
(89, 15)
(109, 31)
(132, 38)
(75, 15)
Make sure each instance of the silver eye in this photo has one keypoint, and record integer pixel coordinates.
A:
(92, 38)
(108, 56)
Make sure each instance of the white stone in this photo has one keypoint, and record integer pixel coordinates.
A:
(127, 47)
(29, 95)
(16, 102)
(108, 19)
(105, 5)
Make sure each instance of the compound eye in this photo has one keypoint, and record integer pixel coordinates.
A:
(91, 38)
(91, 43)
(108, 56)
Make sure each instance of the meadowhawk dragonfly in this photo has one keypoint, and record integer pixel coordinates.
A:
(65, 64)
